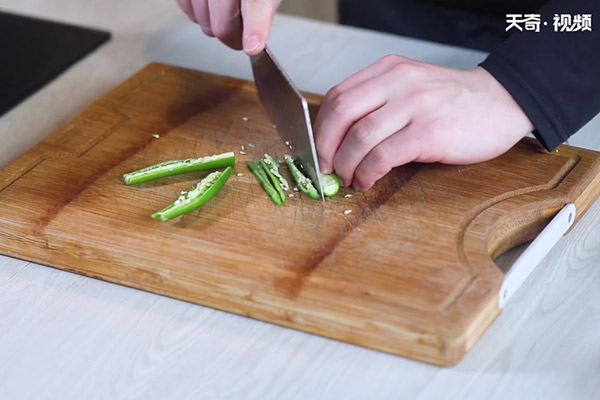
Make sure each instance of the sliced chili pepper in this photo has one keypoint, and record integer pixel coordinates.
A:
(304, 183)
(273, 169)
(176, 167)
(273, 179)
(269, 165)
(260, 173)
(198, 194)
(331, 184)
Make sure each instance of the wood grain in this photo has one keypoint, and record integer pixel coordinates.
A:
(409, 272)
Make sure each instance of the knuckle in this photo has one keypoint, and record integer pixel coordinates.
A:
(435, 128)
(424, 98)
(421, 144)
(222, 30)
(438, 129)
(381, 163)
(261, 4)
(394, 59)
(363, 133)
(407, 70)
(380, 157)
(333, 93)
(390, 59)
(339, 104)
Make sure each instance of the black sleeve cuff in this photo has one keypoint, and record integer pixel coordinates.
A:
(552, 74)
(548, 130)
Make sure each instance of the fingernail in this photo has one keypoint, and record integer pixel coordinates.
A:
(358, 187)
(324, 169)
(251, 43)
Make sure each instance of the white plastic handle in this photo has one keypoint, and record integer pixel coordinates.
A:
(535, 252)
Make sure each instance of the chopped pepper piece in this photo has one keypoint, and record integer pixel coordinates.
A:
(175, 167)
(259, 171)
(198, 195)
(331, 184)
(303, 182)
(279, 183)
(273, 168)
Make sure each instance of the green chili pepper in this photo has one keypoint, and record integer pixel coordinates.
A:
(279, 183)
(304, 183)
(272, 168)
(331, 184)
(198, 194)
(260, 173)
(175, 167)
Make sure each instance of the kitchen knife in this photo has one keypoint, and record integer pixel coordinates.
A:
(288, 110)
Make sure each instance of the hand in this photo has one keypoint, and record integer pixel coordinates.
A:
(400, 110)
(239, 24)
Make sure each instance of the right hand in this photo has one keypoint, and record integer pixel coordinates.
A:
(240, 24)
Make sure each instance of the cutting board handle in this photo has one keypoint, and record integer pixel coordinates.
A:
(535, 252)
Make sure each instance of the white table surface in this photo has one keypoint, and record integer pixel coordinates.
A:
(70, 337)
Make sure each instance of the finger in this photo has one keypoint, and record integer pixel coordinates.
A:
(202, 15)
(340, 111)
(399, 149)
(365, 135)
(226, 22)
(186, 6)
(257, 18)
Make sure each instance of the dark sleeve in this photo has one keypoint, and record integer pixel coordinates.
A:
(554, 76)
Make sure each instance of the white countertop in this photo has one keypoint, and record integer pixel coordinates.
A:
(70, 337)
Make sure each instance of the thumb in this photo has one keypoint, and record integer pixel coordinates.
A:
(257, 17)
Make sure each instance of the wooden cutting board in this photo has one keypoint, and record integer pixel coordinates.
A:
(409, 271)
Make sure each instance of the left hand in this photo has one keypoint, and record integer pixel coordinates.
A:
(400, 110)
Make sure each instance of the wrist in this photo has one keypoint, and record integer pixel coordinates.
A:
(506, 105)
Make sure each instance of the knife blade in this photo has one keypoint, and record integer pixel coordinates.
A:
(288, 110)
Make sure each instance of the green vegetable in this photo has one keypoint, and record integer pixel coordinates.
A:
(198, 194)
(273, 169)
(175, 167)
(279, 183)
(259, 171)
(303, 182)
(331, 184)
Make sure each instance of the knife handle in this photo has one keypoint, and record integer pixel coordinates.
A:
(535, 252)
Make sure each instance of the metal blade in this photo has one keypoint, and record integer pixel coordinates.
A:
(288, 110)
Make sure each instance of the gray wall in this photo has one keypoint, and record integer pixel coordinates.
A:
(325, 10)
